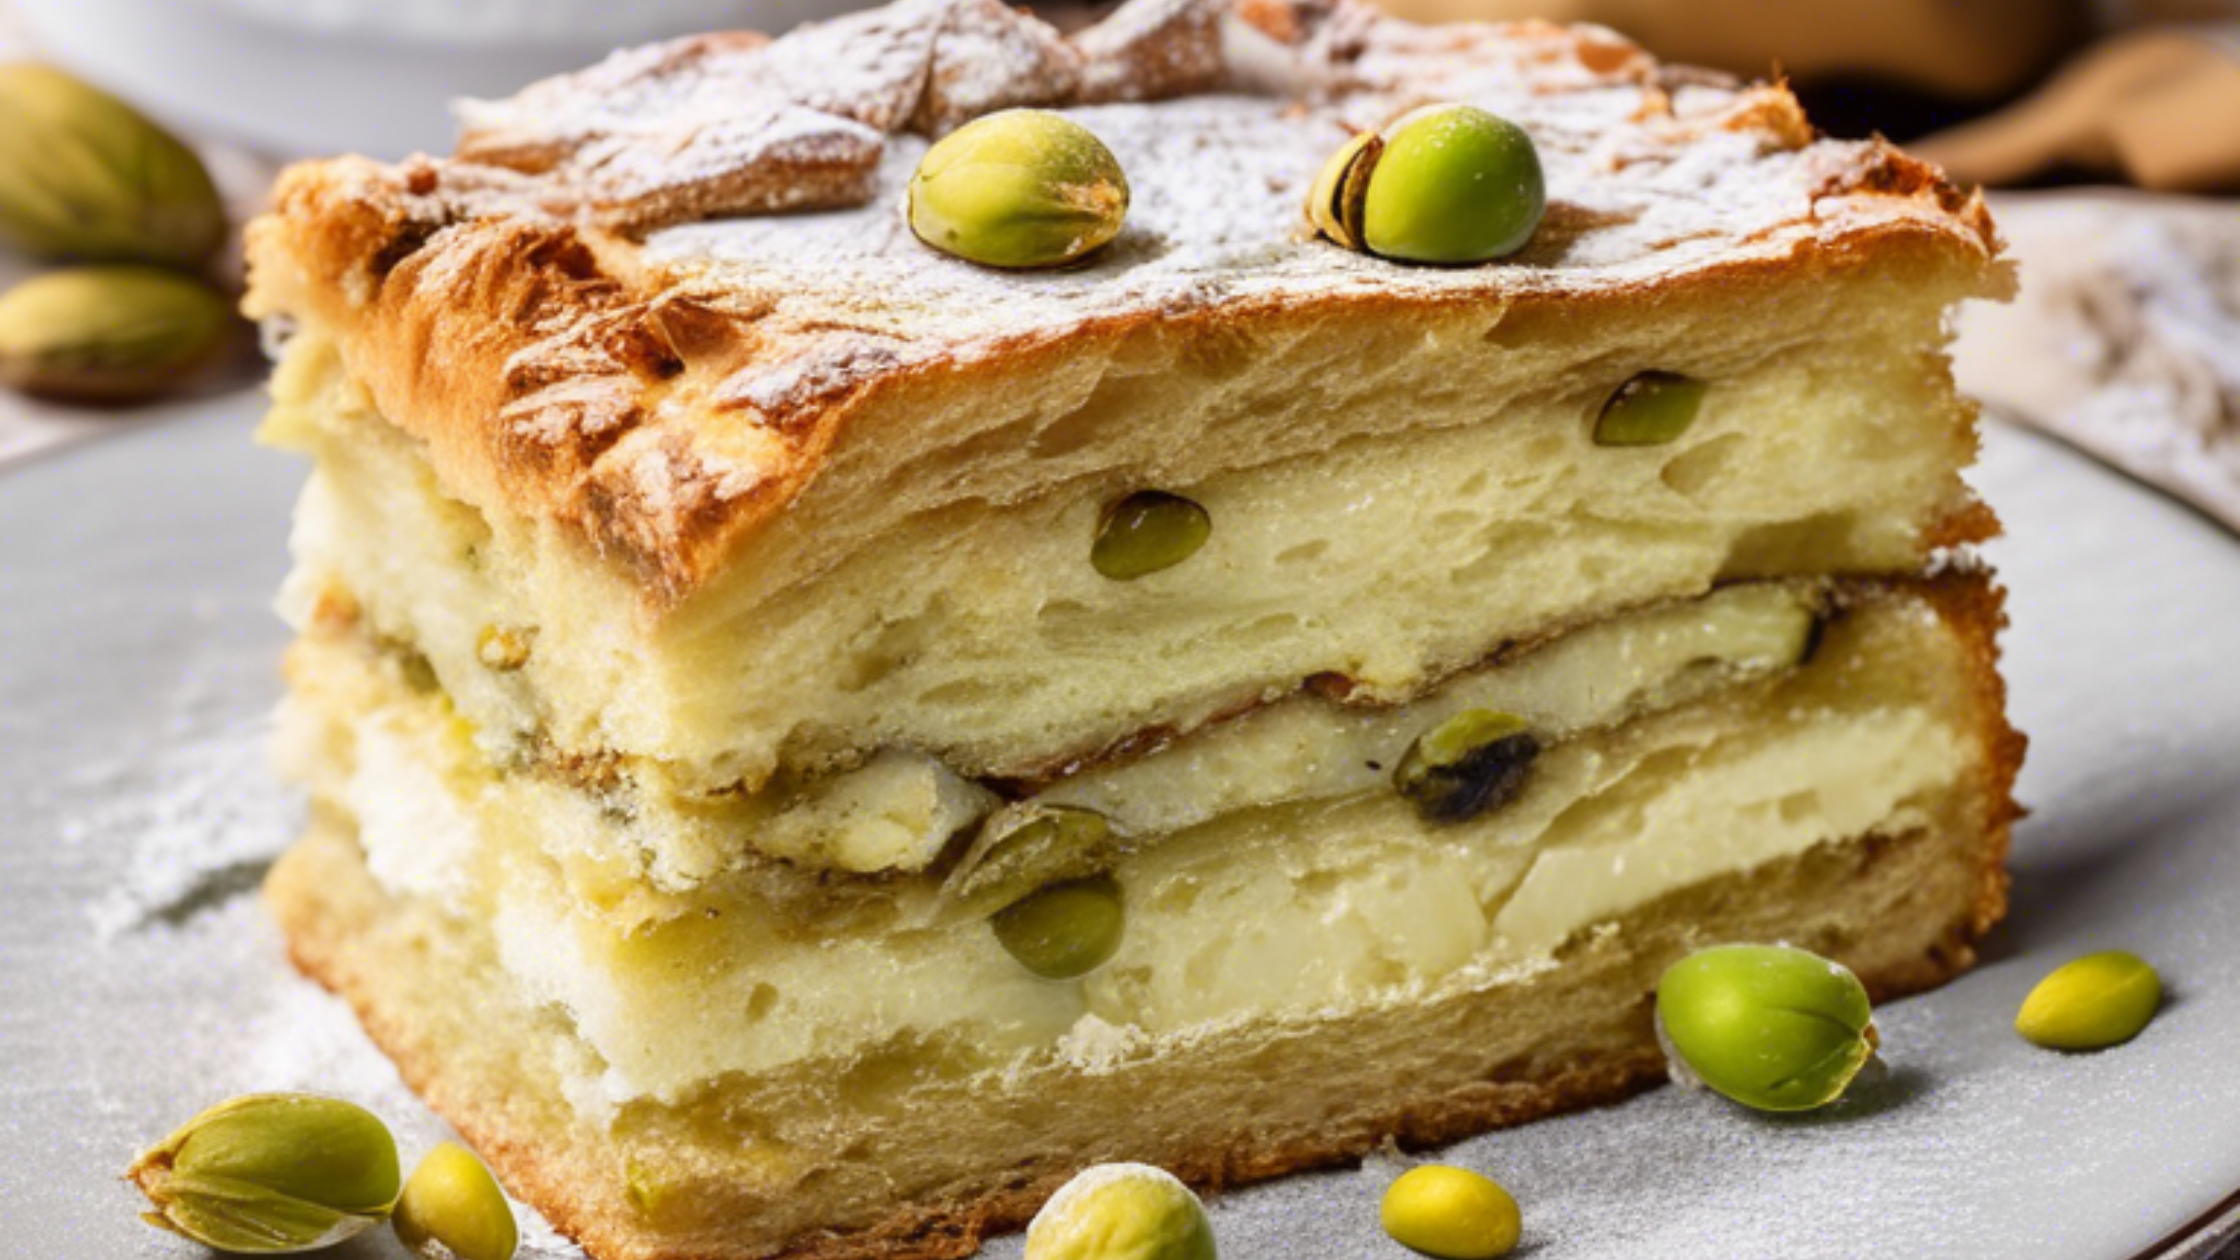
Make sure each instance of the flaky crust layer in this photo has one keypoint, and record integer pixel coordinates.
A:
(663, 396)
(1222, 1110)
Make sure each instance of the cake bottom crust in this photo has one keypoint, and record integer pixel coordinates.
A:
(1231, 1106)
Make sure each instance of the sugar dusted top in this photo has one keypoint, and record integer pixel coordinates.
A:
(642, 299)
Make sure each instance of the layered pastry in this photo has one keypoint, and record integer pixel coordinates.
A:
(761, 798)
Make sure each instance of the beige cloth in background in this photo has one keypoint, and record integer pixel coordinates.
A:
(1972, 49)
(2152, 102)
(2158, 108)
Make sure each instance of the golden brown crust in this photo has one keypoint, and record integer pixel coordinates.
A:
(337, 935)
(665, 400)
(1905, 911)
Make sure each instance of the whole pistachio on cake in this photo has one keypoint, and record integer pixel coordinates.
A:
(1021, 188)
(268, 1174)
(84, 175)
(1446, 184)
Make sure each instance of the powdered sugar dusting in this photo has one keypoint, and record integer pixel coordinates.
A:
(1221, 113)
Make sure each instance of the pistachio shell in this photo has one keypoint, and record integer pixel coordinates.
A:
(1454, 184)
(1769, 1026)
(271, 1173)
(84, 175)
(1334, 204)
(108, 334)
(1019, 188)
(1028, 846)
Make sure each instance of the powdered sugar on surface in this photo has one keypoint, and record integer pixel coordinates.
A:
(2125, 338)
(1651, 176)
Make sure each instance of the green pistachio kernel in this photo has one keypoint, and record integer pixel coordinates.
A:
(1650, 410)
(1451, 1213)
(108, 334)
(1454, 184)
(2091, 1003)
(1146, 532)
(84, 175)
(1066, 930)
(1474, 761)
(452, 1207)
(1121, 1212)
(1770, 1027)
(1019, 188)
(270, 1173)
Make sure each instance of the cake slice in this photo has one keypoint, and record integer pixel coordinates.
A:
(735, 777)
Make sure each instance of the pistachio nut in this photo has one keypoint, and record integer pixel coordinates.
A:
(1445, 184)
(1651, 409)
(452, 1209)
(504, 649)
(1451, 1213)
(271, 1173)
(1064, 931)
(1474, 761)
(108, 334)
(1148, 531)
(2091, 1003)
(1019, 188)
(84, 175)
(1121, 1212)
(1769, 1026)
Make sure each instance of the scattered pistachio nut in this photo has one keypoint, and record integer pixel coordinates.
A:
(1146, 532)
(1019, 188)
(108, 334)
(452, 1209)
(1446, 184)
(503, 650)
(1769, 1026)
(84, 175)
(1026, 846)
(2091, 1003)
(1650, 410)
(1064, 931)
(1475, 761)
(1451, 1213)
(271, 1173)
(1121, 1212)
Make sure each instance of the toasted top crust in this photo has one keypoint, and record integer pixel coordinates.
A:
(583, 318)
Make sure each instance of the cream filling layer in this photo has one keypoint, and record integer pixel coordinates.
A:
(978, 633)
(1291, 912)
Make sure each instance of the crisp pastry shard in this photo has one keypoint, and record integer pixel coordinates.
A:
(698, 639)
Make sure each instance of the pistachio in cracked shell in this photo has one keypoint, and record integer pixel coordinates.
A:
(1445, 185)
(268, 1174)
(108, 334)
(1021, 188)
(84, 175)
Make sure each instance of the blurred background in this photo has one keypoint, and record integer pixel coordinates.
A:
(2108, 130)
